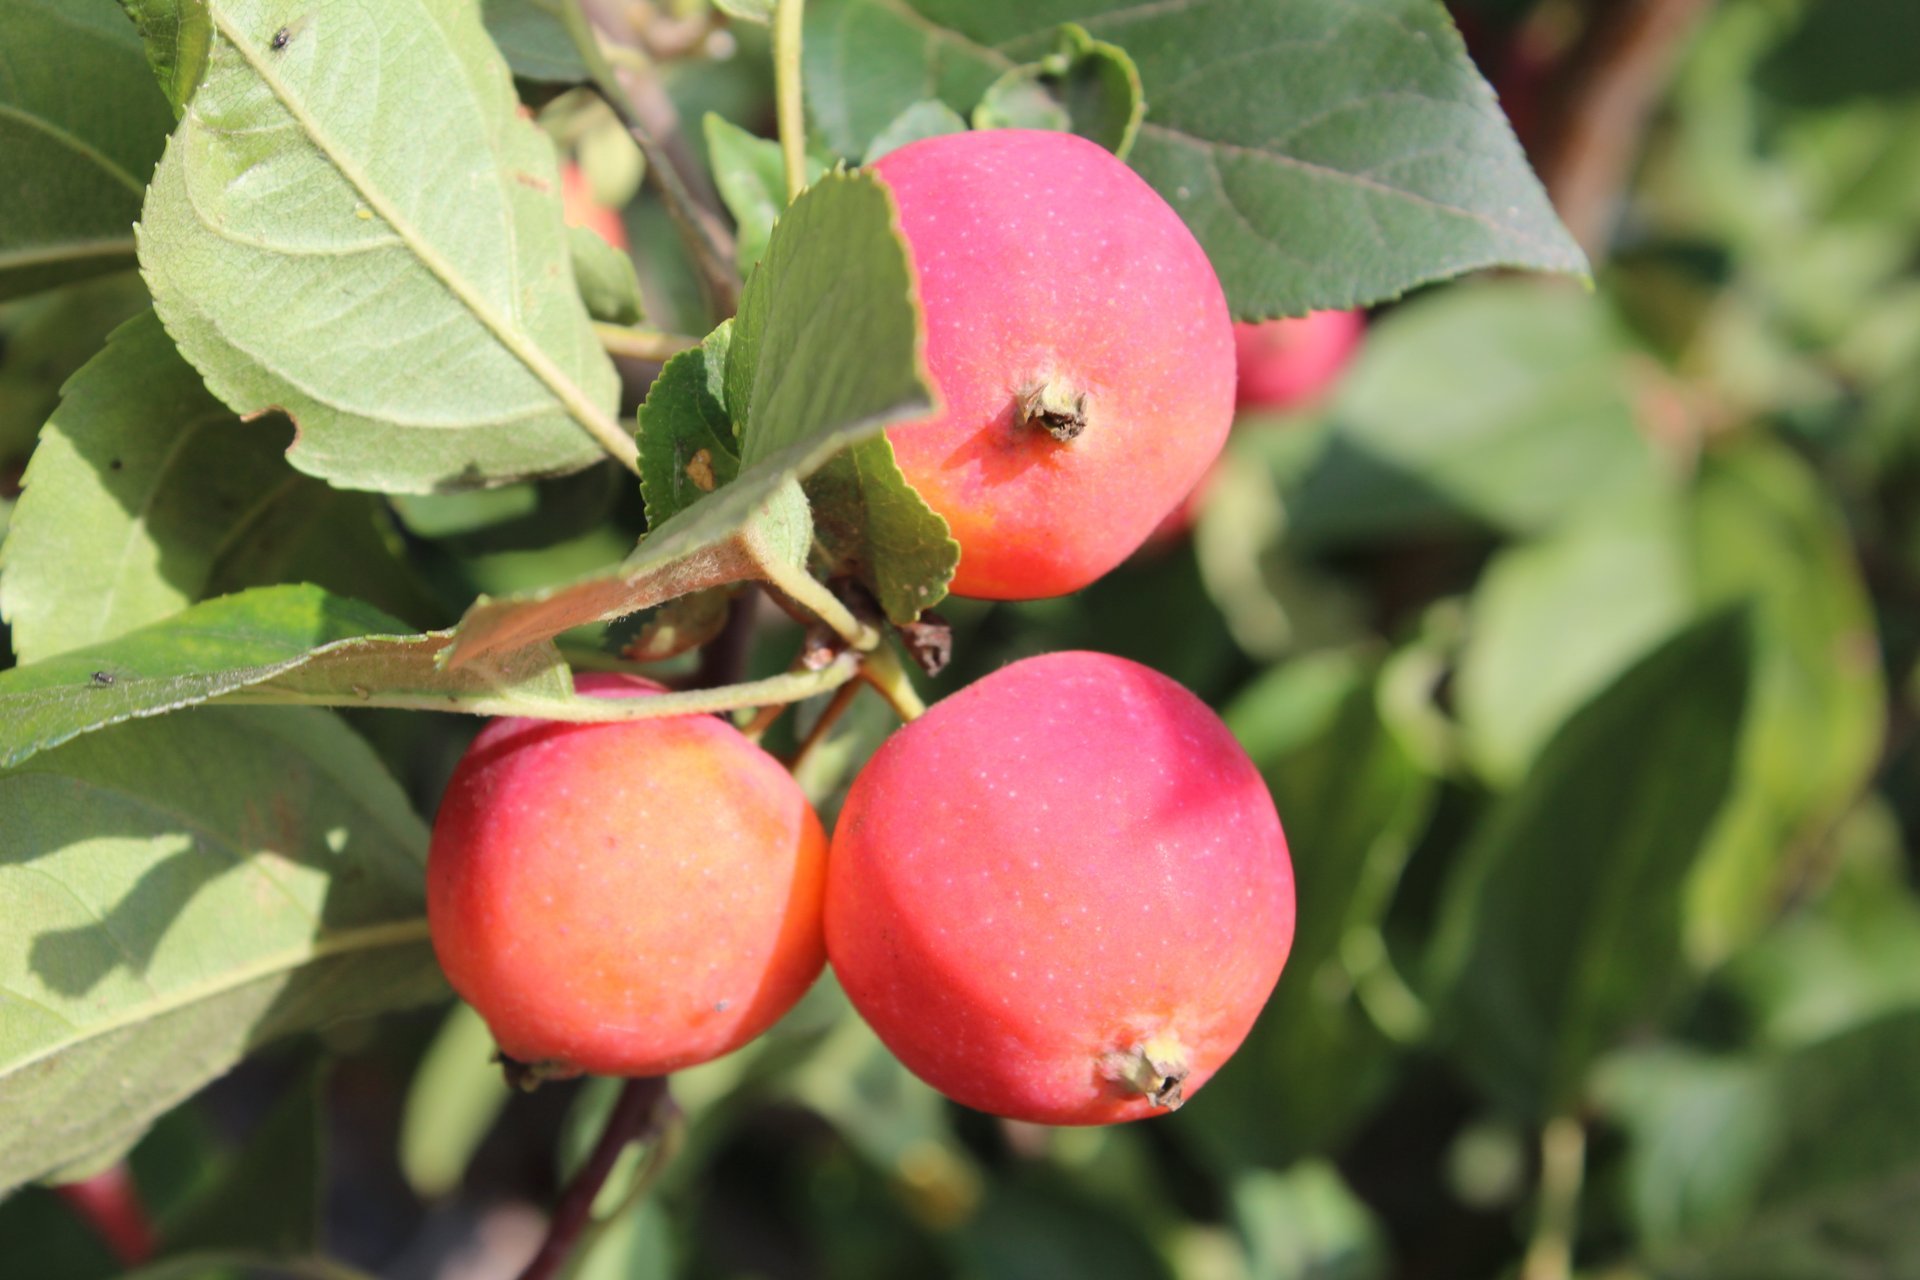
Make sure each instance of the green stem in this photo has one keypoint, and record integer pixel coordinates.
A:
(641, 344)
(807, 591)
(791, 686)
(885, 672)
(789, 101)
(1563, 1164)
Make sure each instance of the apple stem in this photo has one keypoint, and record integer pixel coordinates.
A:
(637, 1116)
(884, 671)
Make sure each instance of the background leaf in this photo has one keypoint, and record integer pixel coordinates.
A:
(304, 256)
(752, 180)
(1328, 155)
(928, 118)
(605, 278)
(1082, 86)
(1503, 404)
(1563, 924)
(1554, 620)
(81, 126)
(1764, 532)
(1787, 1167)
(179, 892)
(178, 35)
(534, 40)
(456, 1094)
(1351, 802)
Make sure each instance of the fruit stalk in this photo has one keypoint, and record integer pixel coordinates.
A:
(636, 1117)
(790, 105)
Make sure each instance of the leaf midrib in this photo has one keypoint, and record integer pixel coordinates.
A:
(571, 396)
(392, 933)
(74, 142)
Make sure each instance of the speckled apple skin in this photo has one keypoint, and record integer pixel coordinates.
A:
(625, 899)
(1067, 857)
(1040, 255)
(1283, 363)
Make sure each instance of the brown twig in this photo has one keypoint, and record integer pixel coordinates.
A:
(1595, 115)
(642, 106)
(635, 1117)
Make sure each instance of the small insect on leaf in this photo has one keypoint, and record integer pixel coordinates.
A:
(103, 678)
(284, 36)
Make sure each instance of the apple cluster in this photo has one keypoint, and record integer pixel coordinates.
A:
(1061, 895)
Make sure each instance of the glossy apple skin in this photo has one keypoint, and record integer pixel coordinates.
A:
(1284, 363)
(625, 899)
(1043, 260)
(1069, 857)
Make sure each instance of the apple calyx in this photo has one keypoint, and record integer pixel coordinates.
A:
(1156, 1069)
(1054, 406)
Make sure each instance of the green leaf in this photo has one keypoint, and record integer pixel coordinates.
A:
(1841, 53)
(687, 444)
(1307, 1224)
(1352, 803)
(178, 35)
(829, 334)
(605, 278)
(1327, 154)
(1562, 925)
(760, 11)
(47, 339)
(81, 125)
(233, 1265)
(269, 1195)
(752, 180)
(795, 374)
(1765, 531)
(1083, 86)
(928, 118)
(869, 523)
(1553, 621)
(1799, 1166)
(1272, 597)
(534, 40)
(458, 1091)
(1849, 955)
(306, 254)
(825, 352)
(290, 643)
(1505, 403)
(637, 1245)
(179, 893)
(141, 492)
